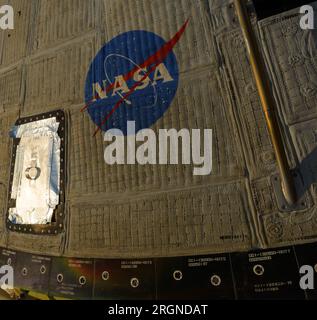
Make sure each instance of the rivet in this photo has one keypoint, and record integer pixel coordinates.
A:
(43, 269)
(105, 275)
(60, 278)
(24, 271)
(82, 280)
(178, 275)
(215, 280)
(134, 282)
(258, 270)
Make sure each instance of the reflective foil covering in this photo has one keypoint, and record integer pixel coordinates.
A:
(36, 180)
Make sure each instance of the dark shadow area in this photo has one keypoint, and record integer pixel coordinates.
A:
(268, 8)
(308, 170)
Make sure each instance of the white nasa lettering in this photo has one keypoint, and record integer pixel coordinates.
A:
(121, 87)
(102, 92)
(7, 20)
(138, 76)
(161, 73)
(146, 153)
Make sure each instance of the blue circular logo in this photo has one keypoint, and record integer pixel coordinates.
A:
(134, 77)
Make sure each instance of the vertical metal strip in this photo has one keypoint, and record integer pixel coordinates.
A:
(267, 101)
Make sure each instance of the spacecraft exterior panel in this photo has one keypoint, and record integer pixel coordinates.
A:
(213, 278)
(141, 211)
(32, 272)
(258, 278)
(125, 279)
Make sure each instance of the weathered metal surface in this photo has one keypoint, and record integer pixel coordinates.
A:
(135, 211)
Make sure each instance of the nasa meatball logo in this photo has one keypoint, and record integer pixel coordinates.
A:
(134, 77)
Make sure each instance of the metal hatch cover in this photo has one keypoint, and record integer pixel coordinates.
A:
(37, 175)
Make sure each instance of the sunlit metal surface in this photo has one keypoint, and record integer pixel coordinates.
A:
(37, 172)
